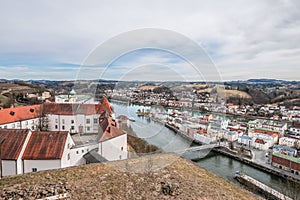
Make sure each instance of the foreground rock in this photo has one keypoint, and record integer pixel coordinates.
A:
(161, 176)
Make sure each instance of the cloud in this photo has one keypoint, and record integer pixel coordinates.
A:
(251, 36)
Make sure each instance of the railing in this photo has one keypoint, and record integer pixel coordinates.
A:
(202, 147)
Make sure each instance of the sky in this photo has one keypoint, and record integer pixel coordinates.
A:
(60, 39)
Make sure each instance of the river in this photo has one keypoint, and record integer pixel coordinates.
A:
(157, 134)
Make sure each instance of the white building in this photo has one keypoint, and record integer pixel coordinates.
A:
(12, 150)
(47, 150)
(74, 98)
(289, 142)
(23, 117)
(230, 136)
(245, 140)
(25, 151)
(113, 141)
(263, 142)
(268, 125)
(76, 118)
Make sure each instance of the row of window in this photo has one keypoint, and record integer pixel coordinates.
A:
(72, 127)
(82, 151)
(13, 126)
(88, 121)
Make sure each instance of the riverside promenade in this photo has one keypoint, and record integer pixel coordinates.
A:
(257, 163)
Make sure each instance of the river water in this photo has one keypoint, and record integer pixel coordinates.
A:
(157, 134)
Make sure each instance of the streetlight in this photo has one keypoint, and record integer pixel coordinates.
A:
(1, 141)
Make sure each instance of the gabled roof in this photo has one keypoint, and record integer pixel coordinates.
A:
(10, 115)
(260, 141)
(76, 108)
(267, 132)
(111, 130)
(71, 109)
(106, 105)
(45, 145)
(13, 143)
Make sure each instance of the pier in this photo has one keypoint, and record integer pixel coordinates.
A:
(266, 190)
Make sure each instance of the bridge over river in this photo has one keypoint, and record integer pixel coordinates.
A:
(202, 147)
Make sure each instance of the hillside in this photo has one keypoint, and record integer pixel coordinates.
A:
(160, 176)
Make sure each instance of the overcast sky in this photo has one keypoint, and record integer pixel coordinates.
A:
(51, 39)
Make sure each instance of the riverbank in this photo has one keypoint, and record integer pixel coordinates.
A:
(225, 151)
(247, 117)
(179, 179)
(224, 166)
(267, 168)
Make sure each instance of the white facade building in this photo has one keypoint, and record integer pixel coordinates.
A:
(12, 150)
(47, 150)
(25, 151)
(74, 98)
(289, 142)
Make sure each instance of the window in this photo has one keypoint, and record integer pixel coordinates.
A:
(63, 127)
(69, 145)
(56, 120)
(88, 128)
(95, 121)
(13, 126)
(32, 122)
(68, 156)
(88, 121)
(77, 152)
(34, 169)
(72, 121)
(26, 122)
(82, 150)
(121, 148)
(63, 121)
(72, 127)
(56, 127)
(5, 126)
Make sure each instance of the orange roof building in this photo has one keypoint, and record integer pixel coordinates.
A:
(45, 145)
(22, 113)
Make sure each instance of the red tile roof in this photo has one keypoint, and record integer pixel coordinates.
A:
(267, 132)
(260, 141)
(21, 113)
(106, 105)
(13, 143)
(71, 109)
(10, 115)
(111, 130)
(45, 145)
(236, 130)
